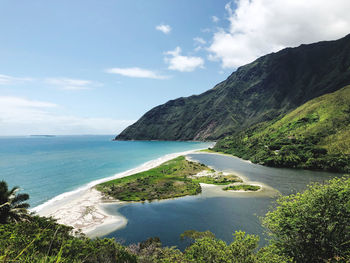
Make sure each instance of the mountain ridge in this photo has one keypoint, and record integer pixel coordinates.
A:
(272, 85)
(316, 135)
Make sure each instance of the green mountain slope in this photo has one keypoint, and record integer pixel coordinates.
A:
(316, 135)
(260, 91)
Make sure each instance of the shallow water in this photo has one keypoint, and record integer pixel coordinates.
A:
(45, 167)
(214, 210)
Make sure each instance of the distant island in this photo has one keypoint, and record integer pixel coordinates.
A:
(175, 131)
(42, 135)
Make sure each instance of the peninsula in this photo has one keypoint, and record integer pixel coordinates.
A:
(175, 178)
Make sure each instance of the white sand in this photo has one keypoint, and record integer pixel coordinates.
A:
(244, 179)
(82, 209)
(84, 213)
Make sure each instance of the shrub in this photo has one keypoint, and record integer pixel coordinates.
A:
(313, 226)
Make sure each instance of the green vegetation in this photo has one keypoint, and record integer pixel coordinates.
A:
(208, 249)
(313, 226)
(43, 240)
(217, 179)
(316, 135)
(12, 205)
(171, 179)
(270, 86)
(310, 227)
(242, 249)
(245, 187)
(193, 235)
(30, 238)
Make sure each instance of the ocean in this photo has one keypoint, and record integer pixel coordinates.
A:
(50, 169)
(45, 167)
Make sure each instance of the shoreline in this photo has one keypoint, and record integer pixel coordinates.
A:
(222, 153)
(82, 208)
(243, 178)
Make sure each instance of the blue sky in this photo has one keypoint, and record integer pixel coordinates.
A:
(94, 67)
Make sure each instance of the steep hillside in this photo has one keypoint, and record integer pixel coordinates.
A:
(316, 135)
(262, 90)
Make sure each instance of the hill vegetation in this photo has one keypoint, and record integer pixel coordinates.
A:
(316, 135)
(270, 86)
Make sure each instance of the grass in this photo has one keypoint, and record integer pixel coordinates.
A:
(245, 187)
(171, 179)
(218, 179)
(314, 136)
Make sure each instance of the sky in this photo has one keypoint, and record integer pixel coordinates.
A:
(95, 67)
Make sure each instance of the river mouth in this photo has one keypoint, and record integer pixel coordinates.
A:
(219, 211)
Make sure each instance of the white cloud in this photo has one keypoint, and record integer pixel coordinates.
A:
(182, 63)
(136, 73)
(20, 116)
(206, 30)
(198, 48)
(199, 40)
(71, 84)
(164, 28)
(215, 19)
(10, 101)
(16, 109)
(258, 27)
(8, 80)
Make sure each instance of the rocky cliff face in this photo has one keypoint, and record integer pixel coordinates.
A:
(262, 90)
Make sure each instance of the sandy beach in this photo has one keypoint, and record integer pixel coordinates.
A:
(84, 213)
(83, 208)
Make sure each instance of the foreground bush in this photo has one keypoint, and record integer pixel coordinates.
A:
(310, 227)
(314, 226)
(43, 240)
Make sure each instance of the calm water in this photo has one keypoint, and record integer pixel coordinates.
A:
(222, 213)
(45, 167)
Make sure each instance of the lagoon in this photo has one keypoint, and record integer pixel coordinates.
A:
(214, 210)
(46, 167)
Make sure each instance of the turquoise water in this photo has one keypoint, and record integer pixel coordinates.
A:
(45, 167)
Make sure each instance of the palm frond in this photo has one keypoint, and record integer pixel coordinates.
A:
(20, 198)
(13, 191)
(23, 205)
(12, 204)
(5, 204)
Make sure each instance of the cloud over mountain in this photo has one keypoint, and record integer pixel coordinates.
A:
(258, 27)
